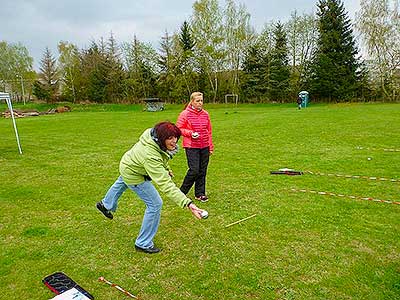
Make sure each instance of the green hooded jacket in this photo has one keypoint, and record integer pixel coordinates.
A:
(146, 158)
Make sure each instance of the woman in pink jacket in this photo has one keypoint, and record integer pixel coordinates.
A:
(195, 125)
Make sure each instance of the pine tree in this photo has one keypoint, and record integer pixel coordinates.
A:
(94, 73)
(187, 63)
(167, 66)
(253, 83)
(141, 64)
(279, 68)
(185, 37)
(114, 70)
(49, 77)
(335, 64)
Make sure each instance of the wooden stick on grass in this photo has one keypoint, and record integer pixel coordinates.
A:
(240, 221)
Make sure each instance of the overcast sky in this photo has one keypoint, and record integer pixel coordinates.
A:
(38, 24)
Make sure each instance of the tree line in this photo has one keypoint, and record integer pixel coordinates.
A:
(217, 51)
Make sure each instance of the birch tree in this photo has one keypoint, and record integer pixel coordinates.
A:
(238, 37)
(302, 35)
(16, 73)
(69, 68)
(379, 25)
(207, 28)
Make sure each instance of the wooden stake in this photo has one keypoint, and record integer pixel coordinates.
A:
(240, 221)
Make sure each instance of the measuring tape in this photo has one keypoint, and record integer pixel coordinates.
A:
(353, 176)
(344, 196)
(375, 149)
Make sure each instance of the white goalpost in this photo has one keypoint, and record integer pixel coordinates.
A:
(6, 96)
(234, 96)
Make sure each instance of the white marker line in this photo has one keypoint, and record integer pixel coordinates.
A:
(341, 195)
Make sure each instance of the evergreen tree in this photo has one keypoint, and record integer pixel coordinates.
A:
(185, 37)
(115, 74)
(279, 68)
(141, 63)
(40, 92)
(335, 64)
(49, 77)
(167, 65)
(94, 73)
(253, 83)
(187, 62)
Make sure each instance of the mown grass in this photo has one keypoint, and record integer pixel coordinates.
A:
(299, 246)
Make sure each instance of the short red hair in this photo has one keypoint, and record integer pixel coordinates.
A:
(165, 130)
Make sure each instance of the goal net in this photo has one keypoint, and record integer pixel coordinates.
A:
(231, 98)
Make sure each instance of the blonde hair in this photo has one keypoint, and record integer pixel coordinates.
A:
(195, 94)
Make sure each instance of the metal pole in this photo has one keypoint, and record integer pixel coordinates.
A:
(8, 100)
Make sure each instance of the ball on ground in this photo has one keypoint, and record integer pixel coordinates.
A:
(204, 214)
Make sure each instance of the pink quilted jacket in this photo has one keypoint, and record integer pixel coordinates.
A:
(191, 120)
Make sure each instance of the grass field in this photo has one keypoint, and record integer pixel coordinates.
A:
(298, 246)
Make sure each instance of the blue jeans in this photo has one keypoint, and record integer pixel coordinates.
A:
(150, 196)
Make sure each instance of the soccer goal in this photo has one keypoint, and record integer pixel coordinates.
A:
(6, 96)
(234, 97)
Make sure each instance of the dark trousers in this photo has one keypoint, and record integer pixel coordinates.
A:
(197, 160)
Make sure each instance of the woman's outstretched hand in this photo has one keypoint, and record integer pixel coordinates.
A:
(195, 210)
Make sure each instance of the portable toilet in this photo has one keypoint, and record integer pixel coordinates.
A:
(304, 95)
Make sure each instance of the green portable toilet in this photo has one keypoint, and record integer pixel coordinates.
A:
(304, 95)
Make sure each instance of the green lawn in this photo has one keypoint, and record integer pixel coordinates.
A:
(299, 246)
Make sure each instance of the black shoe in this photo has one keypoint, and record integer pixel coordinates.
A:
(150, 250)
(104, 210)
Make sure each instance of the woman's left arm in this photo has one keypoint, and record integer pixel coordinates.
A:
(161, 177)
(210, 140)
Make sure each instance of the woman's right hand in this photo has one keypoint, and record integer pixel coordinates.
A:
(195, 210)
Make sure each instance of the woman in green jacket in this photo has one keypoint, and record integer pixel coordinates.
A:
(144, 163)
